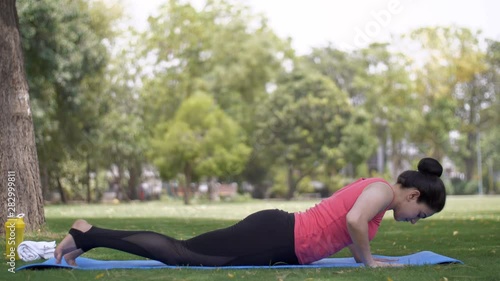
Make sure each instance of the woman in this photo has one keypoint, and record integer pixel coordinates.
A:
(349, 218)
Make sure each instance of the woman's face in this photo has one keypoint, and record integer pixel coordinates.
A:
(411, 211)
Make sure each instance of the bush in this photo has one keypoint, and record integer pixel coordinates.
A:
(462, 187)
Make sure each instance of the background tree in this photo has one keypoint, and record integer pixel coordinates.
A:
(348, 72)
(66, 51)
(490, 131)
(218, 50)
(18, 156)
(221, 49)
(379, 87)
(388, 89)
(474, 95)
(98, 103)
(121, 135)
(301, 124)
(343, 68)
(452, 59)
(201, 140)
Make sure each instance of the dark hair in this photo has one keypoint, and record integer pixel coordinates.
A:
(426, 180)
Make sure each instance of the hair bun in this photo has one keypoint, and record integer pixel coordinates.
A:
(430, 166)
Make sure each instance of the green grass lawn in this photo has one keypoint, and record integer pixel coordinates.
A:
(468, 229)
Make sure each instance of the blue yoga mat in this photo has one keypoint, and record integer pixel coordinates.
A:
(420, 258)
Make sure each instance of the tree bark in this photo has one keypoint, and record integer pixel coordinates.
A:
(134, 172)
(122, 194)
(187, 186)
(18, 155)
(470, 158)
(292, 184)
(61, 191)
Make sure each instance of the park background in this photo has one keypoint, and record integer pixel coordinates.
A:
(208, 102)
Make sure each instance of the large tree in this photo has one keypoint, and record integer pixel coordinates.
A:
(201, 140)
(302, 125)
(448, 89)
(18, 155)
(65, 44)
(221, 49)
(378, 84)
(387, 88)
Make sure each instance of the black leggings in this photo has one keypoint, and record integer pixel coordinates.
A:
(263, 238)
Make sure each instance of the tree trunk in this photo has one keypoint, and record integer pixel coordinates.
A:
(134, 180)
(470, 159)
(44, 180)
(187, 186)
(292, 184)
(87, 180)
(121, 193)
(213, 190)
(382, 152)
(61, 191)
(21, 190)
(396, 159)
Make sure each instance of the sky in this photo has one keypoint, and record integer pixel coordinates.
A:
(351, 24)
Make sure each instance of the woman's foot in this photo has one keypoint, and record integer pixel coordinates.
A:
(70, 257)
(67, 247)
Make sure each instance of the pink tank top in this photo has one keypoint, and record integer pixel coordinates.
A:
(322, 230)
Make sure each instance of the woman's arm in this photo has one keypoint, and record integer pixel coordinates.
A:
(355, 254)
(373, 200)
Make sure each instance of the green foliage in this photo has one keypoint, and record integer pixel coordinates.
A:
(378, 84)
(97, 103)
(450, 89)
(222, 49)
(202, 137)
(303, 118)
(358, 143)
(341, 67)
(65, 59)
(490, 131)
(280, 186)
(301, 124)
(121, 136)
(387, 86)
(462, 187)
